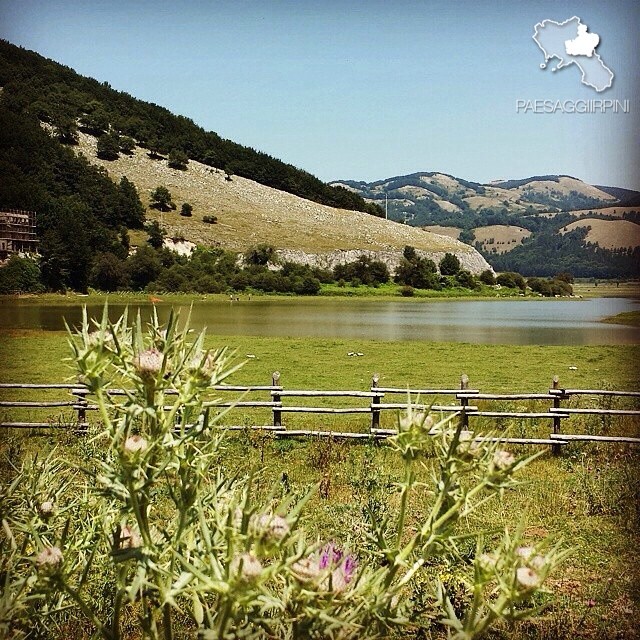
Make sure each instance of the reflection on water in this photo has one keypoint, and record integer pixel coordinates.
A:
(560, 322)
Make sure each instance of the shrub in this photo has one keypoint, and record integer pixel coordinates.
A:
(407, 291)
(487, 277)
(20, 275)
(186, 210)
(210, 219)
(154, 531)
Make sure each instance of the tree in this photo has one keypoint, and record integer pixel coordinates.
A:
(109, 273)
(96, 122)
(161, 199)
(129, 209)
(109, 146)
(186, 210)
(409, 253)
(465, 279)
(261, 255)
(143, 267)
(67, 131)
(178, 159)
(127, 145)
(449, 265)
(156, 234)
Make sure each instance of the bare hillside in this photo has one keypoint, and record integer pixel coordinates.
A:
(250, 213)
(609, 234)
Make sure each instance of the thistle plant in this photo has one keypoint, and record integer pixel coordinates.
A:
(151, 534)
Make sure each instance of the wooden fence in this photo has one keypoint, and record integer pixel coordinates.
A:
(463, 401)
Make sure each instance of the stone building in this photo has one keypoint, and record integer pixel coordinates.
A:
(17, 232)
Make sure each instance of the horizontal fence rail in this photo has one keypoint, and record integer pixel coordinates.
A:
(465, 403)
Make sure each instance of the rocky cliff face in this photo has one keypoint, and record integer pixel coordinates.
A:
(470, 260)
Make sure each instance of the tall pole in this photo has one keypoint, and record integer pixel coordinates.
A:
(386, 207)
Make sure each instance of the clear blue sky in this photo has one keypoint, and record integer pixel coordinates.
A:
(360, 89)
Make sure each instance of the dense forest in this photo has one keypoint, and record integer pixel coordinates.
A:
(35, 86)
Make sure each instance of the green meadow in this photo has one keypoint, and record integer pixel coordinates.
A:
(588, 496)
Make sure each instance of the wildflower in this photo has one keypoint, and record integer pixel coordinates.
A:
(487, 561)
(503, 459)
(99, 338)
(527, 578)
(273, 528)
(46, 509)
(531, 558)
(49, 558)
(343, 575)
(246, 566)
(134, 444)
(204, 366)
(129, 538)
(148, 363)
(306, 569)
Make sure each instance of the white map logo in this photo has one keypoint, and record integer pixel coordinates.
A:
(571, 43)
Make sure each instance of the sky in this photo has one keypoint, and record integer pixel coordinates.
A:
(361, 89)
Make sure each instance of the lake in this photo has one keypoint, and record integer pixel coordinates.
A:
(513, 321)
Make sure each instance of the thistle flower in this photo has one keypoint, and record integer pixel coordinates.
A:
(129, 538)
(49, 558)
(527, 578)
(134, 444)
(246, 566)
(46, 509)
(503, 459)
(97, 337)
(148, 363)
(487, 561)
(306, 569)
(530, 557)
(271, 527)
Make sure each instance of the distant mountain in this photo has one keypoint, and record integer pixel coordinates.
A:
(523, 225)
(427, 198)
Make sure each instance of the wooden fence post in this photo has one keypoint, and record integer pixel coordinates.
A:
(80, 395)
(277, 414)
(375, 413)
(555, 449)
(464, 385)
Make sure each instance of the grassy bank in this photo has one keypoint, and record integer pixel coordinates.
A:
(589, 496)
(630, 318)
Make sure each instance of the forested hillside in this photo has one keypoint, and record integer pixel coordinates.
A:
(34, 85)
(81, 211)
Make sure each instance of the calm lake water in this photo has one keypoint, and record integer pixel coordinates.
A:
(558, 322)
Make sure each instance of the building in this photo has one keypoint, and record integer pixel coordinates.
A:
(17, 232)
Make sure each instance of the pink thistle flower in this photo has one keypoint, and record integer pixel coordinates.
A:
(49, 558)
(129, 538)
(148, 363)
(527, 578)
(503, 459)
(46, 509)
(246, 566)
(135, 444)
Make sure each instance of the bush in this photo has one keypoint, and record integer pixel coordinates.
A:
(487, 277)
(178, 159)
(511, 280)
(151, 531)
(407, 291)
(20, 275)
(186, 210)
(210, 219)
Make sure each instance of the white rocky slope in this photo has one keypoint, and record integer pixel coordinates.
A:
(249, 213)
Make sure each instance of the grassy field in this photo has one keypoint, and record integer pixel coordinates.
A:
(589, 496)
